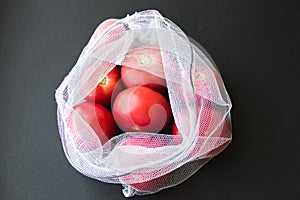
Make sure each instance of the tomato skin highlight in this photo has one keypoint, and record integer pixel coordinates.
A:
(103, 92)
(135, 66)
(98, 118)
(141, 109)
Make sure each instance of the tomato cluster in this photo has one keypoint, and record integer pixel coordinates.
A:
(132, 99)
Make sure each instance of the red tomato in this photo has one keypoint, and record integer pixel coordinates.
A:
(213, 131)
(112, 35)
(103, 92)
(135, 66)
(141, 109)
(103, 26)
(98, 118)
(149, 142)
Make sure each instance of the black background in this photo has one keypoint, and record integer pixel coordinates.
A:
(255, 45)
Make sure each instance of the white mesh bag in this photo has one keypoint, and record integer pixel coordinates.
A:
(198, 99)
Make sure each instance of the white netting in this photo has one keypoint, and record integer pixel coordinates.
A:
(198, 99)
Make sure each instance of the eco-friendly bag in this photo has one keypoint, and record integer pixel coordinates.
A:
(199, 102)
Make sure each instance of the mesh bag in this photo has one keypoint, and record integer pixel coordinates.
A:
(147, 162)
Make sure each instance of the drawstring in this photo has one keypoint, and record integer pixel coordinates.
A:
(128, 191)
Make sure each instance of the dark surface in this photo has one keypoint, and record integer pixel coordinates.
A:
(254, 44)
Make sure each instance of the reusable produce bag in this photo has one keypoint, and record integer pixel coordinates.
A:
(144, 162)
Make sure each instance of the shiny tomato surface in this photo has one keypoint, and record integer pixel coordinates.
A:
(141, 109)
